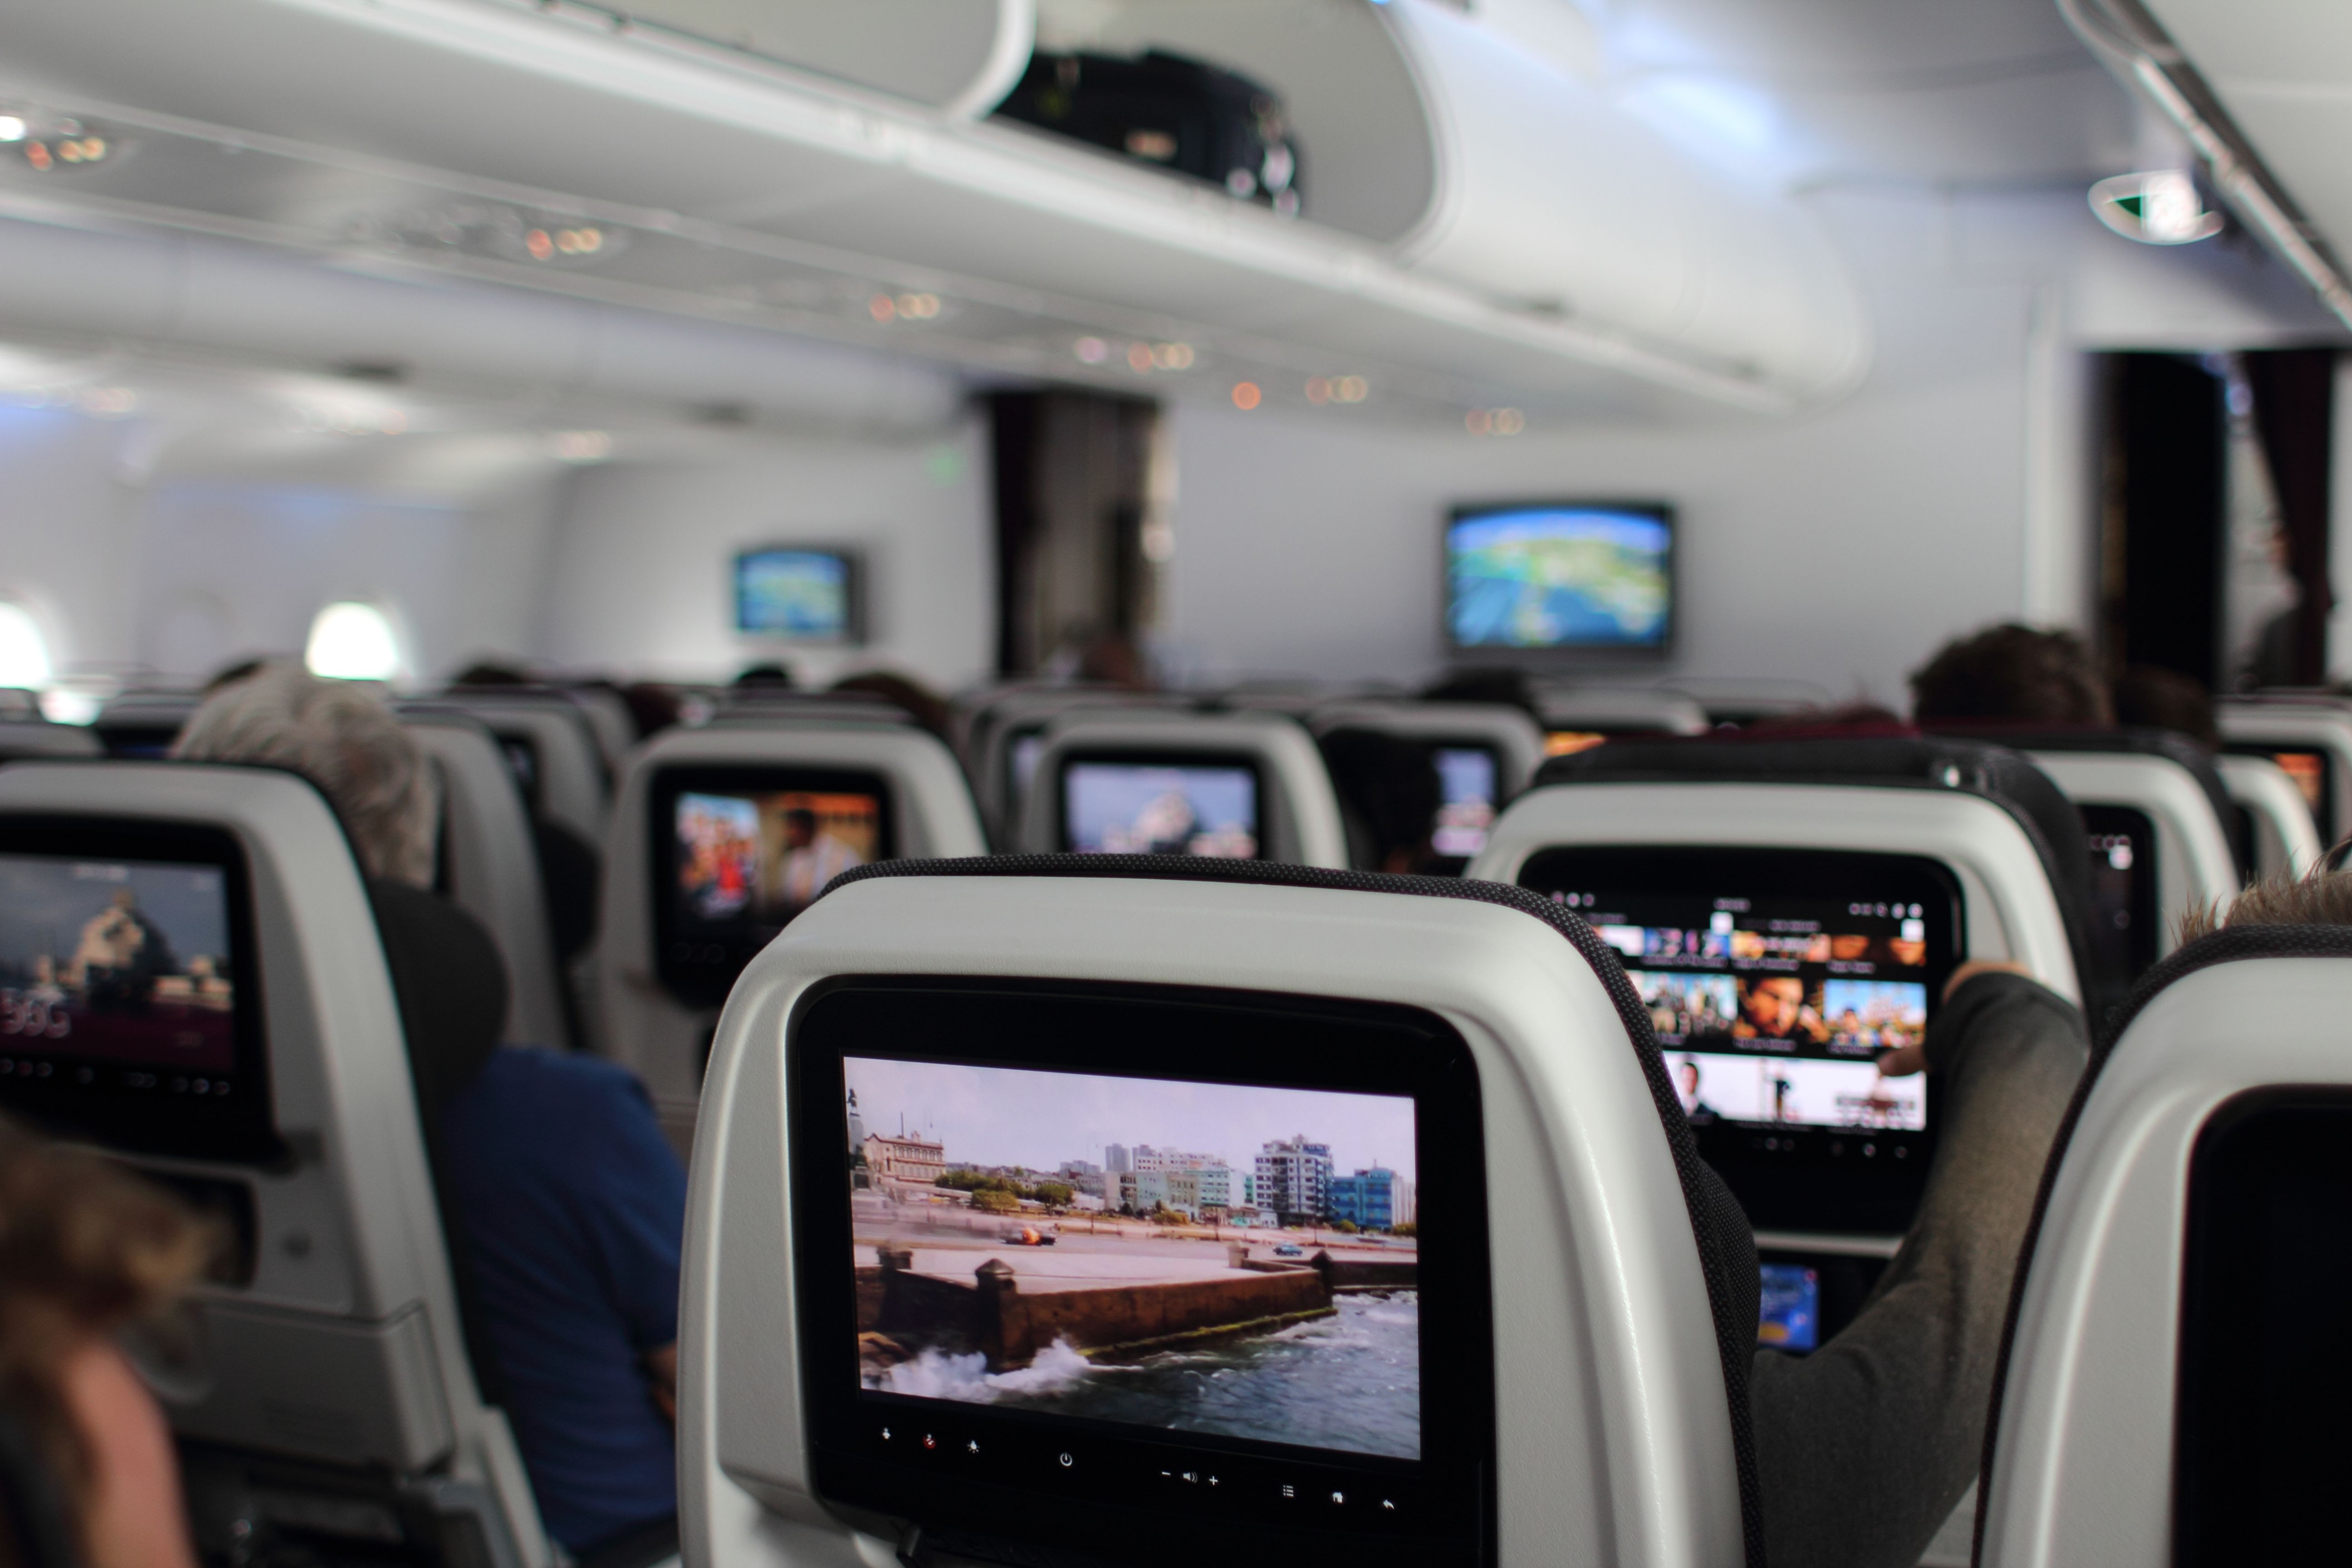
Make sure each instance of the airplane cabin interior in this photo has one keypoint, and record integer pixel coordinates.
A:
(801, 784)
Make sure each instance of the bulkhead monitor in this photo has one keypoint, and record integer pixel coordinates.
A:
(739, 851)
(1051, 1303)
(1588, 576)
(802, 596)
(129, 1009)
(1180, 804)
(1774, 980)
(2125, 918)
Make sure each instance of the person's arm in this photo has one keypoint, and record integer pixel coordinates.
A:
(1864, 1447)
(661, 1370)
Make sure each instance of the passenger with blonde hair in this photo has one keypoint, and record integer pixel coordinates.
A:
(87, 1253)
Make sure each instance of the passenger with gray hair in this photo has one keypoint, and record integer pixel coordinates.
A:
(569, 1205)
(343, 739)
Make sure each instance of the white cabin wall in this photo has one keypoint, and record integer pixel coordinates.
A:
(66, 526)
(233, 565)
(1954, 488)
(641, 576)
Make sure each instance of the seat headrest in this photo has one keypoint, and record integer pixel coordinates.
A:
(2170, 745)
(450, 984)
(2227, 945)
(1898, 761)
(1725, 1242)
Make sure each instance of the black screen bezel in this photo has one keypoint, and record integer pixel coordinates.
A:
(1222, 1037)
(128, 1106)
(1795, 1179)
(697, 979)
(1238, 761)
(2146, 917)
(1560, 653)
(2240, 1426)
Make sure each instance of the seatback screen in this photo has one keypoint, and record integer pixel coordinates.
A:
(1775, 981)
(1469, 789)
(2125, 920)
(1205, 1293)
(1168, 1222)
(1161, 806)
(740, 852)
(126, 1005)
(2259, 1441)
(2313, 776)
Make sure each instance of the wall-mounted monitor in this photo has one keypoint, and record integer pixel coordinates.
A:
(1594, 577)
(791, 594)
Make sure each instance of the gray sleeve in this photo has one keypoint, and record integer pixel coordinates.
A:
(1864, 1447)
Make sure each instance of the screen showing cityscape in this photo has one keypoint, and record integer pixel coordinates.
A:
(1560, 576)
(1166, 1255)
(116, 960)
(1156, 808)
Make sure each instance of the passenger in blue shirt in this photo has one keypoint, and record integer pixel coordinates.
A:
(574, 1208)
(566, 1205)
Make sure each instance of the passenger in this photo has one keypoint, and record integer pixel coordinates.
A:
(1389, 798)
(1866, 1447)
(1487, 683)
(88, 1473)
(925, 707)
(572, 1202)
(2320, 897)
(2158, 699)
(2015, 674)
(1860, 718)
(768, 676)
(653, 706)
(491, 673)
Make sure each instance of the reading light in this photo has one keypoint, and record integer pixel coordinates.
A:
(352, 641)
(2162, 207)
(1246, 396)
(12, 128)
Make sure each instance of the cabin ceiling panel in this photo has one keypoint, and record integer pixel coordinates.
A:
(799, 203)
(2282, 71)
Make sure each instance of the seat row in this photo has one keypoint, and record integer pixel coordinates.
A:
(1500, 1057)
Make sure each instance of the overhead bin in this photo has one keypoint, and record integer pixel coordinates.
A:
(1483, 226)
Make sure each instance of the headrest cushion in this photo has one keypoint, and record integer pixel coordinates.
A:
(450, 983)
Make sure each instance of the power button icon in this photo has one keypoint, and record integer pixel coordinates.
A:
(1067, 1461)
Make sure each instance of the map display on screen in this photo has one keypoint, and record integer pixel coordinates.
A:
(1560, 577)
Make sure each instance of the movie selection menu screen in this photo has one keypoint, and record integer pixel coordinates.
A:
(1774, 1013)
